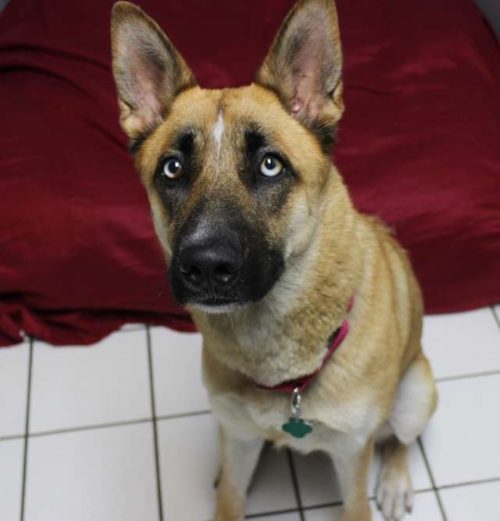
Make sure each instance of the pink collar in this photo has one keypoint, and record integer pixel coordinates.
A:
(304, 382)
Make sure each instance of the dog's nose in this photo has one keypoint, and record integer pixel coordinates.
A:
(216, 265)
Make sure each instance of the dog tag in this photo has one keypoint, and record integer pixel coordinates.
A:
(296, 426)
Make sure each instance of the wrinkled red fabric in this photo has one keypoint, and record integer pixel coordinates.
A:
(419, 146)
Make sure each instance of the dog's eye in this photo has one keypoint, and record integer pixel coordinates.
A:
(172, 168)
(271, 166)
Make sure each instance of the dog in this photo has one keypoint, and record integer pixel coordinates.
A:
(310, 313)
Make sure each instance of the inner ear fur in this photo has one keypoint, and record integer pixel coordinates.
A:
(304, 67)
(149, 72)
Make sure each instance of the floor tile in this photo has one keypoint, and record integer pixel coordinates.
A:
(461, 441)
(100, 475)
(318, 483)
(425, 509)
(496, 309)
(189, 463)
(472, 502)
(100, 384)
(462, 343)
(11, 470)
(316, 478)
(272, 488)
(133, 327)
(177, 372)
(13, 388)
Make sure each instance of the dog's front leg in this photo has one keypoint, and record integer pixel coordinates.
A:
(239, 459)
(353, 466)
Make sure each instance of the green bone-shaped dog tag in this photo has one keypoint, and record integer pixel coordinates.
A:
(297, 427)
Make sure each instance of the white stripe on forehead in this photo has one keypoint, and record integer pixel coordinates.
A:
(218, 131)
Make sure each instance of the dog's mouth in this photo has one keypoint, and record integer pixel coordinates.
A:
(214, 302)
(216, 306)
(250, 286)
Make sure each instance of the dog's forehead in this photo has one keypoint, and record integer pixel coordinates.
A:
(229, 112)
(202, 106)
(220, 120)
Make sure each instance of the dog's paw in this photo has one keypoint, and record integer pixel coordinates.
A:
(394, 494)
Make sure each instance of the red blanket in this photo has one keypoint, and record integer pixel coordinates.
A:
(419, 145)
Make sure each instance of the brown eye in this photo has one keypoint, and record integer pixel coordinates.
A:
(172, 168)
(271, 166)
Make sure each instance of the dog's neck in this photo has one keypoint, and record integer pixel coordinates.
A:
(285, 335)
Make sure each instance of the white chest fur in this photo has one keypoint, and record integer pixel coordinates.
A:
(262, 414)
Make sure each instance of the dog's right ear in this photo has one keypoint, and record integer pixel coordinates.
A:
(148, 70)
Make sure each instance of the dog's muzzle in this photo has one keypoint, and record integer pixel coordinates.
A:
(219, 267)
(211, 268)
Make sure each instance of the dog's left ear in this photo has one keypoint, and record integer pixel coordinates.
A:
(149, 72)
(304, 66)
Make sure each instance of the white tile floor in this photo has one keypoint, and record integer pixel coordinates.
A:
(122, 431)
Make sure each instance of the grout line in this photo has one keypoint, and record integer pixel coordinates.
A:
(440, 504)
(123, 423)
(495, 315)
(339, 503)
(470, 375)
(155, 424)
(431, 477)
(415, 491)
(183, 415)
(26, 430)
(95, 426)
(272, 513)
(11, 437)
(295, 482)
(324, 505)
(470, 483)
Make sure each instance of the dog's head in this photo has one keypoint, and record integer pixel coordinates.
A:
(234, 176)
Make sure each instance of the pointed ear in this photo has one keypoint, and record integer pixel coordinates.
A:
(304, 67)
(148, 70)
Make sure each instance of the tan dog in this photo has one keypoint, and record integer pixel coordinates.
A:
(266, 250)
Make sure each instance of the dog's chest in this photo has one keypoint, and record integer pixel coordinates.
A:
(263, 416)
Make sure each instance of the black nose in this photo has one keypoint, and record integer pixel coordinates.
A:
(214, 265)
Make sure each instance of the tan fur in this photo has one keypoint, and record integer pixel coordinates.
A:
(378, 383)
